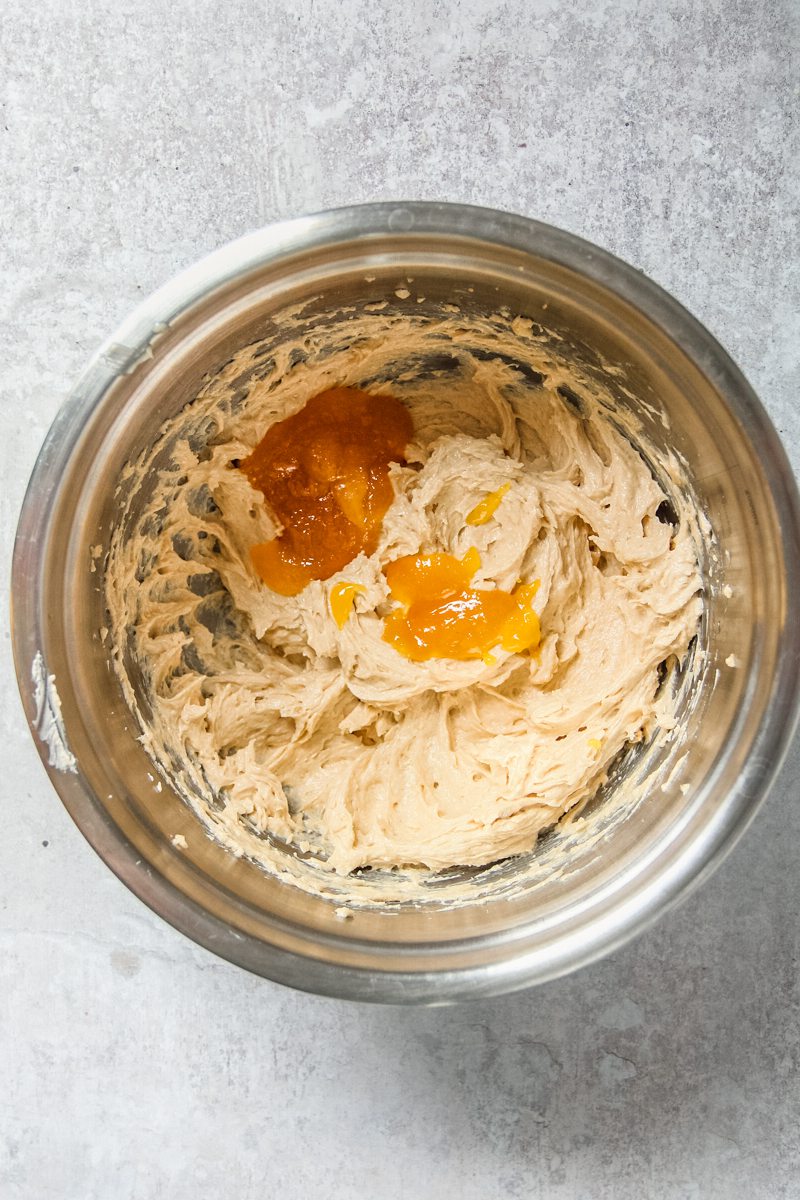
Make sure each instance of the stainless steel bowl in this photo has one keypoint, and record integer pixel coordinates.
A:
(603, 892)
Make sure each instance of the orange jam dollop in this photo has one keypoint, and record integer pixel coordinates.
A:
(440, 615)
(325, 474)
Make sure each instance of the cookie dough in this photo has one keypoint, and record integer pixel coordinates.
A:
(284, 729)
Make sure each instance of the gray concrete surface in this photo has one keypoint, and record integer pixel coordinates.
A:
(137, 136)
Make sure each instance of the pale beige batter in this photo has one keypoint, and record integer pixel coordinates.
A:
(275, 722)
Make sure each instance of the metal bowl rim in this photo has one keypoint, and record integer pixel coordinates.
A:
(631, 913)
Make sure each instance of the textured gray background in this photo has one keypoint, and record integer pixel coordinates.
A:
(135, 137)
